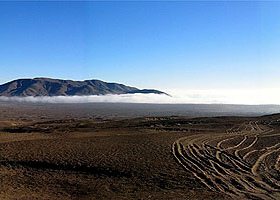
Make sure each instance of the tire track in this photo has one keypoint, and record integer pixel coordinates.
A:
(222, 171)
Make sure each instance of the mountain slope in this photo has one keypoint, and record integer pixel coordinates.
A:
(58, 87)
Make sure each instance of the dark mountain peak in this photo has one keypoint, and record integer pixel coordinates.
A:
(42, 86)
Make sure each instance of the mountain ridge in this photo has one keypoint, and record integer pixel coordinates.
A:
(43, 86)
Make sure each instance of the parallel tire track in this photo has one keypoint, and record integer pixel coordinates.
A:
(225, 170)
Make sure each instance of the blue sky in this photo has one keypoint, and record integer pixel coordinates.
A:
(163, 45)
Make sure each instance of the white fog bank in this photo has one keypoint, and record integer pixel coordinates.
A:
(250, 97)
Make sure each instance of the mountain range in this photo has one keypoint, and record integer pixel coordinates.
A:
(58, 87)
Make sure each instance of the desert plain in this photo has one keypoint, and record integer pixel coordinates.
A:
(93, 152)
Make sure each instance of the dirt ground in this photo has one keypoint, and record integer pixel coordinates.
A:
(47, 157)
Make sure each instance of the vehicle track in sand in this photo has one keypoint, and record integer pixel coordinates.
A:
(221, 161)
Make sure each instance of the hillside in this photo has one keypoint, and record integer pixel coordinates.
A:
(58, 87)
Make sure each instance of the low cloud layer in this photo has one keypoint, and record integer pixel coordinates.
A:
(123, 98)
(253, 97)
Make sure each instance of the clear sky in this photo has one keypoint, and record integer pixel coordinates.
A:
(162, 45)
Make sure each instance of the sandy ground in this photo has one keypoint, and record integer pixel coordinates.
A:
(138, 158)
